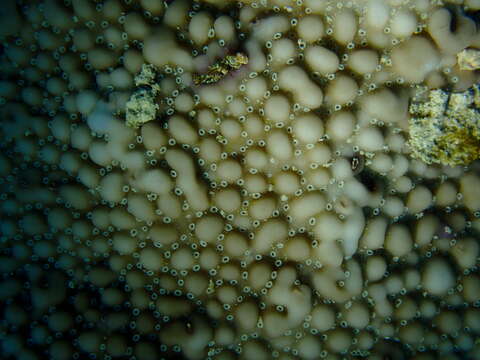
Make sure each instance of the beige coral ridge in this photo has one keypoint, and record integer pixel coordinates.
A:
(240, 180)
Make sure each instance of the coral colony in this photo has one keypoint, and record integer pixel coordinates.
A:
(214, 179)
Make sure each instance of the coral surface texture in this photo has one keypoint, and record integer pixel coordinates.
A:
(240, 179)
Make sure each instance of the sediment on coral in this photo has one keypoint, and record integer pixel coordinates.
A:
(445, 129)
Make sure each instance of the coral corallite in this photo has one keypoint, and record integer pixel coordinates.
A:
(246, 180)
